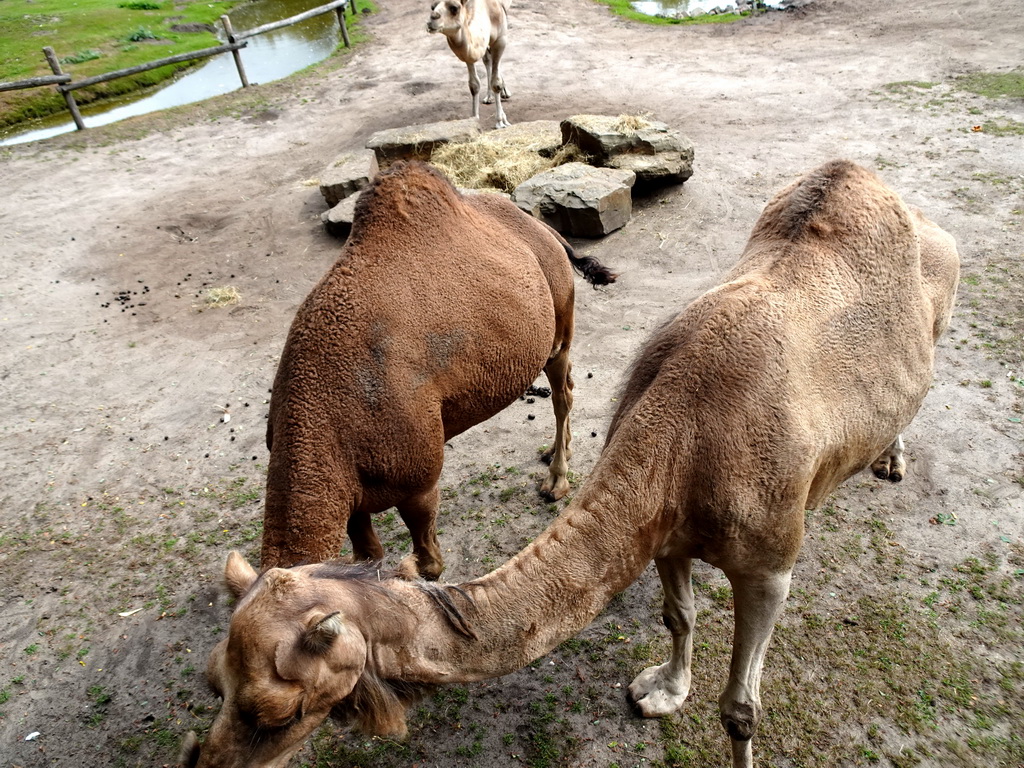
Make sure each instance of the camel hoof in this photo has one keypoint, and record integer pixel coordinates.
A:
(889, 469)
(553, 490)
(410, 569)
(653, 695)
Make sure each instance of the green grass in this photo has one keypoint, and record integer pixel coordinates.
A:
(994, 85)
(91, 37)
(624, 9)
(1003, 127)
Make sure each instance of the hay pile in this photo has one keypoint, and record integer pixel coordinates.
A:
(222, 297)
(502, 160)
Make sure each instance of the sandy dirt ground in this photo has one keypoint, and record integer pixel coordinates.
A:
(123, 491)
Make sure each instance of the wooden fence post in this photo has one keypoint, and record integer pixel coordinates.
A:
(340, 11)
(51, 57)
(352, 3)
(236, 53)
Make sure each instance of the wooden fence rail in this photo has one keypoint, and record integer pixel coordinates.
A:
(35, 82)
(236, 41)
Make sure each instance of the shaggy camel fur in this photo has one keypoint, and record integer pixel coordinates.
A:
(749, 406)
(439, 312)
(476, 31)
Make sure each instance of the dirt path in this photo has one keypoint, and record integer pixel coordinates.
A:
(123, 492)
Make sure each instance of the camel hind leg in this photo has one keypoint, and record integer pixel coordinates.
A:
(365, 544)
(559, 374)
(758, 604)
(502, 89)
(419, 513)
(662, 690)
(891, 465)
(495, 83)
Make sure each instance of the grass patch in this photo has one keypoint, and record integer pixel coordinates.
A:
(92, 37)
(907, 86)
(624, 8)
(1003, 127)
(994, 85)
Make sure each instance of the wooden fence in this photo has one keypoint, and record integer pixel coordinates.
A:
(236, 41)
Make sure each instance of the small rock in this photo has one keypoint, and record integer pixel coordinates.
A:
(348, 173)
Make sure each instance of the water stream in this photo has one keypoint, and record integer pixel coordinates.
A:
(267, 57)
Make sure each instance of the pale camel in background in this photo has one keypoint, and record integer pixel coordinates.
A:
(476, 30)
(439, 312)
(750, 406)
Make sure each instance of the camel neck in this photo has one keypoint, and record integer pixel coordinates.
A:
(545, 594)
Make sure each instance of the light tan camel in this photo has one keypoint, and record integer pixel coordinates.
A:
(476, 31)
(439, 312)
(749, 406)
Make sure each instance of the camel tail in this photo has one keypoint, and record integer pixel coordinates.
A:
(593, 271)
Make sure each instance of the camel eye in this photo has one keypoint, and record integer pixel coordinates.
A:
(453, 9)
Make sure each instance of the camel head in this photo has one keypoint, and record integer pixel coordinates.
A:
(287, 663)
(446, 16)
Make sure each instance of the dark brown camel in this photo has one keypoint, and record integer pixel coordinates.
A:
(439, 312)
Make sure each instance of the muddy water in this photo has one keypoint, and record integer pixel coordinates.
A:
(267, 57)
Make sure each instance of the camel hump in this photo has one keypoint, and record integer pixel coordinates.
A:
(839, 199)
(411, 190)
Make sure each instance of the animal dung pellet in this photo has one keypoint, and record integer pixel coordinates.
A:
(530, 400)
(593, 434)
(590, 375)
(530, 416)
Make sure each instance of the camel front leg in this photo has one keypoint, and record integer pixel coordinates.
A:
(758, 604)
(474, 87)
(420, 516)
(890, 465)
(662, 690)
(559, 375)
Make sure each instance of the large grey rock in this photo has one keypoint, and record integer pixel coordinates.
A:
(417, 142)
(577, 199)
(338, 220)
(348, 173)
(662, 168)
(652, 150)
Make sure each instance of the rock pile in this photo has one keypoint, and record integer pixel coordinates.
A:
(578, 199)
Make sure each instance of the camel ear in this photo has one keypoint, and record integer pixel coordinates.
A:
(238, 574)
(321, 633)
